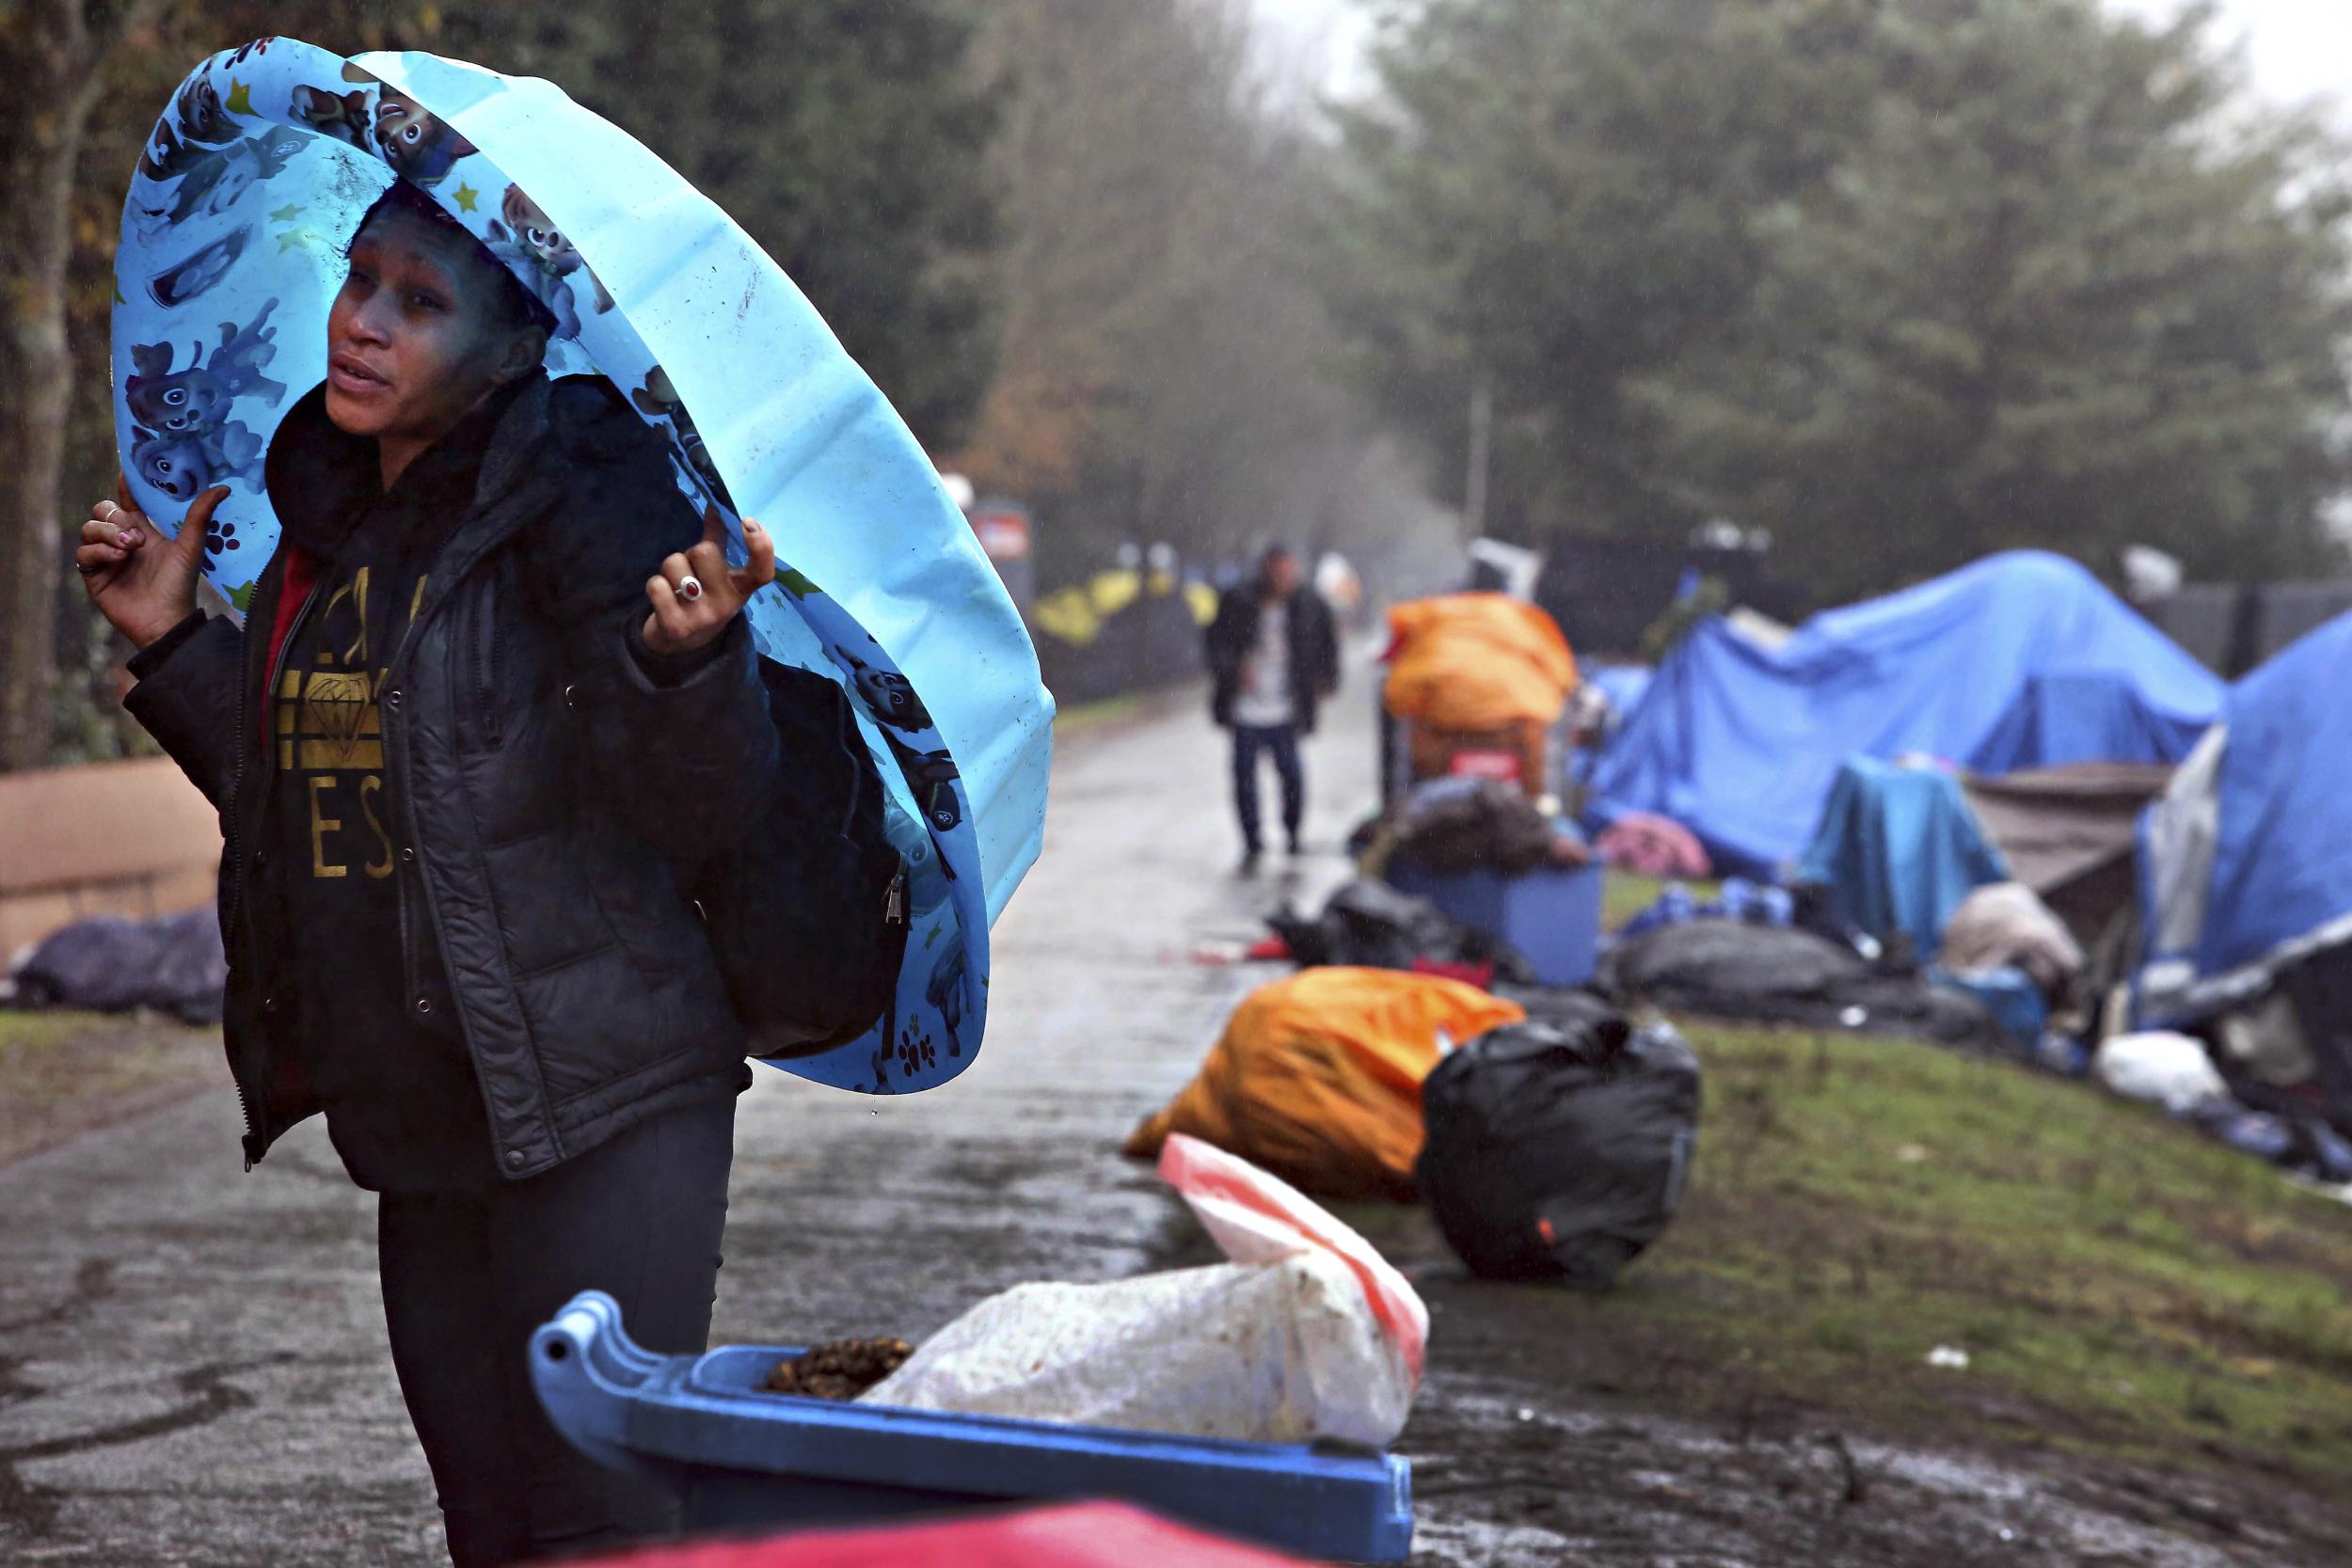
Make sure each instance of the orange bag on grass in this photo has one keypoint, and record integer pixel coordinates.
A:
(1317, 1077)
(1477, 662)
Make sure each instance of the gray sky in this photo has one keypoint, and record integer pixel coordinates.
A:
(2300, 49)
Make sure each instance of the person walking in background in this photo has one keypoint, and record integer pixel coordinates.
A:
(1273, 657)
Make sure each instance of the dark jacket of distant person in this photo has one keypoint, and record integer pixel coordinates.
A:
(1314, 650)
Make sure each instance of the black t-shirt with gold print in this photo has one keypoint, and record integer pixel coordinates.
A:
(381, 1041)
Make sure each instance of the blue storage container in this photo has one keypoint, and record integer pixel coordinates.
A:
(745, 1457)
(1552, 916)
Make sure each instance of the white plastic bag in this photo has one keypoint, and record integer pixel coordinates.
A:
(1306, 1333)
(2170, 1070)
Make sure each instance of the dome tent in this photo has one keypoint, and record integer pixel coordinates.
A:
(231, 250)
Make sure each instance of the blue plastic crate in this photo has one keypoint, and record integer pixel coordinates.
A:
(743, 1457)
(1552, 916)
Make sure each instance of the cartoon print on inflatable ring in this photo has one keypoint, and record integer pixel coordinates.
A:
(658, 400)
(203, 124)
(211, 181)
(928, 873)
(532, 247)
(945, 993)
(199, 270)
(888, 695)
(932, 776)
(419, 147)
(185, 438)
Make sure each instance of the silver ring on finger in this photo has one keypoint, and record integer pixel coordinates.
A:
(113, 512)
(86, 568)
(690, 588)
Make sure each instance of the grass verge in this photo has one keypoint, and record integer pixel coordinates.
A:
(1082, 717)
(2121, 1286)
(66, 1073)
(1625, 895)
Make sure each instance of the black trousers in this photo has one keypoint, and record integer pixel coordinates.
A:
(1280, 741)
(468, 1276)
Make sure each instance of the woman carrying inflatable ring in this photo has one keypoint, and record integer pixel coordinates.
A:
(497, 692)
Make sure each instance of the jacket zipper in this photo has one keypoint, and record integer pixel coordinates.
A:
(243, 857)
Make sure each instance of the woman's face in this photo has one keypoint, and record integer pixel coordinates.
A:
(413, 340)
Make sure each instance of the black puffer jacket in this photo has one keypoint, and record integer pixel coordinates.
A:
(552, 791)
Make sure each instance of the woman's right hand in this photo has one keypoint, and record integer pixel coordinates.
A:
(142, 582)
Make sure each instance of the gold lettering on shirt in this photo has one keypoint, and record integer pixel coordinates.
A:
(328, 724)
(354, 588)
(321, 826)
(370, 786)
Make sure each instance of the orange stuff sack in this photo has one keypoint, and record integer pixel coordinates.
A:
(1317, 1077)
(1477, 662)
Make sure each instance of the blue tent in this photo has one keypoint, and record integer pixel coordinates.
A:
(2021, 660)
(2245, 863)
(1624, 685)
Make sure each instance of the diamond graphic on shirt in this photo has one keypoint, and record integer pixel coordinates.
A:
(338, 722)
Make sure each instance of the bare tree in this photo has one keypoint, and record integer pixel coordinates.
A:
(53, 55)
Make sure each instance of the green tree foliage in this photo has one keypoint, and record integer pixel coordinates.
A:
(1902, 282)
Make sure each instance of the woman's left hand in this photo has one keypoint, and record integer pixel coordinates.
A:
(698, 592)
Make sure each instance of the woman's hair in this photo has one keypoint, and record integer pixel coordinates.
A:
(513, 305)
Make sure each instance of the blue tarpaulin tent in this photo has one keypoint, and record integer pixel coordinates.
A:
(2021, 660)
(2247, 860)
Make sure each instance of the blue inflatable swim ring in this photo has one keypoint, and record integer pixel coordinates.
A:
(231, 252)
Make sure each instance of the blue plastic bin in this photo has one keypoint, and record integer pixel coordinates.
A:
(1552, 916)
(743, 1457)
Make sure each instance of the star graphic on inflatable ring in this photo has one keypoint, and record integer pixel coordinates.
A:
(240, 97)
(466, 197)
(287, 214)
(294, 239)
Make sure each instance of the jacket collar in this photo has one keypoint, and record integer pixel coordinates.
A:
(322, 481)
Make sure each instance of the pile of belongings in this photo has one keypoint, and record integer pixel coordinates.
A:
(1902, 858)
(1370, 925)
(1558, 1147)
(109, 964)
(1476, 662)
(1786, 974)
(1898, 850)
(1549, 1135)
(2007, 925)
(1478, 681)
(1465, 824)
(2178, 1074)
(1738, 899)
(1317, 1077)
(1304, 1333)
(1649, 845)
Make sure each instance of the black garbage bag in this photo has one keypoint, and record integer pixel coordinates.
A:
(1450, 825)
(1556, 1149)
(1778, 974)
(1373, 926)
(110, 964)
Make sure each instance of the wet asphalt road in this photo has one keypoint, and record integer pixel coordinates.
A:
(191, 1360)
